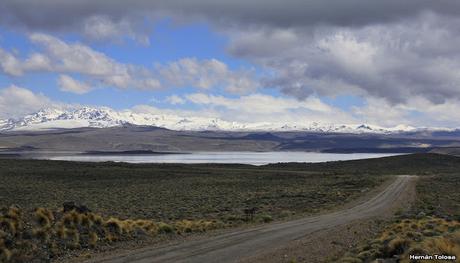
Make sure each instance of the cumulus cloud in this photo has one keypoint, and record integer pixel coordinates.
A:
(68, 84)
(61, 57)
(417, 112)
(10, 64)
(175, 100)
(75, 58)
(206, 74)
(79, 58)
(393, 61)
(16, 102)
(37, 62)
(256, 107)
(259, 103)
(261, 107)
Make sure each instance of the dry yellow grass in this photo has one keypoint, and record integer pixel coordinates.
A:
(44, 217)
(93, 239)
(426, 236)
(52, 232)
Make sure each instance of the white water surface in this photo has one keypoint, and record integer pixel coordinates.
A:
(254, 158)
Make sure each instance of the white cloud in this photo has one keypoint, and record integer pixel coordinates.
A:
(68, 84)
(380, 112)
(37, 62)
(259, 103)
(16, 101)
(207, 74)
(102, 70)
(187, 72)
(260, 108)
(10, 64)
(175, 100)
(266, 108)
(79, 58)
(256, 107)
(416, 111)
(76, 58)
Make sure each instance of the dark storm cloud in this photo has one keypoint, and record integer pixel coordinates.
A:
(55, 14)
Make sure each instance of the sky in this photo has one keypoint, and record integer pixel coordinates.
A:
(384, 63)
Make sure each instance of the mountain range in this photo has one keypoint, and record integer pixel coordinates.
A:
(102, 117)
(89, 129)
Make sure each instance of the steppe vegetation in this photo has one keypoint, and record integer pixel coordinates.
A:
(424, 236)
(151, 201)
(44, 234)
(173, 192)
(431, 226)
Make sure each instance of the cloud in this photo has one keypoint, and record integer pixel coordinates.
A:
(385, 50)
(258, 107)
(175, 100)
(37, 62)
(394, 61)
(79, 58)
(417, 112)
(59, 15)
(207, 74)
(68, 84)
(259, 103)
(9, 63)
(102, 28)
(60, 57)
(403, 58)
(16, 102)
(378, 111)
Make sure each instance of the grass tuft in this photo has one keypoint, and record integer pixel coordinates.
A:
(422, 236)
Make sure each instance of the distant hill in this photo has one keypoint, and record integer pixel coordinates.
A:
(447, 150)
(143, 139)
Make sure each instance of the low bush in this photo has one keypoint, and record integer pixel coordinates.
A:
(423, 236)
(44, 234)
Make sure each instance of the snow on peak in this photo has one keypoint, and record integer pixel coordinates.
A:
(102, 117)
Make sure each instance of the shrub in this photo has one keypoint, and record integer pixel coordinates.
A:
(351, 260)
(419, 236)
(50, 233)
(397, 246)
(165, 228)
(265, 218)
(44, 217)
(93, 239)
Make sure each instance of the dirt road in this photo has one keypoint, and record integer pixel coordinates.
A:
(240, 244)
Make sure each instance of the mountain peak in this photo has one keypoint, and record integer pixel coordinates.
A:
(103, 117)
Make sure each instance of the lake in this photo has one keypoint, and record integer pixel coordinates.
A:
(254, 158)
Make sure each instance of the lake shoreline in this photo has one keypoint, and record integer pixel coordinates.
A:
(251, 158)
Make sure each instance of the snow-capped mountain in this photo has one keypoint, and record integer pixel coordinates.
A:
(101, 117)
